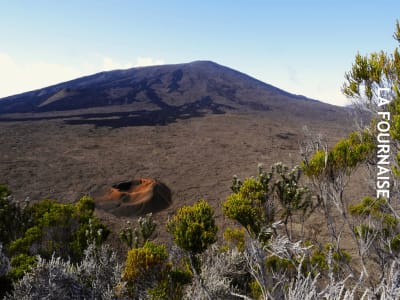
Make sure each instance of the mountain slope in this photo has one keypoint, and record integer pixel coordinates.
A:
(163, 92)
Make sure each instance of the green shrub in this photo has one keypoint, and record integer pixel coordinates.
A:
(171, 287)
(242, 210)
(193, 227)
(318, 260)
(276, 264)
(145, 270)
(11, 217)
(144, 260)
(235, 237)
(247, 204)
(64, 230)
(137, 237)
(255, 289)
(21, 264)
(345, 156)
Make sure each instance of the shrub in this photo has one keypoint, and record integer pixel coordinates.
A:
(21, 264)
(95, 277)
(137, 237)
(193, 227)
(243, 211)
(235, 237)
(64, 230)
(5, 282)
(144, 268)
(11, 217)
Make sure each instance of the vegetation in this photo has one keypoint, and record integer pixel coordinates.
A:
(11, 216)
(193, 227)
(137, 237)
(145, 265)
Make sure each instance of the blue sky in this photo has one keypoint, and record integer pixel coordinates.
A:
(304, 47)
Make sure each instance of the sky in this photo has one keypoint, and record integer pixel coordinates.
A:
(304, 47)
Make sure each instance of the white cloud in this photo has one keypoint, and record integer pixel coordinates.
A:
(110, 64)
(148, 61)
(16, 77)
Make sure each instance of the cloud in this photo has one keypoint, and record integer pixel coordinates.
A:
(148, 61)
(110, 64)
(17, 77)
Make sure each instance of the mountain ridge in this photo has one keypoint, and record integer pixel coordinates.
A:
(157, 95)
(78, 79)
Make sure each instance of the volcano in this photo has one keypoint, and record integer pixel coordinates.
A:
(158, 95)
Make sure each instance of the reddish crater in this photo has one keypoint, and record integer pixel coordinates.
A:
(135, 198)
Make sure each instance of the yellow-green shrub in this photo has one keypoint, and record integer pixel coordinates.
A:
(193, 227)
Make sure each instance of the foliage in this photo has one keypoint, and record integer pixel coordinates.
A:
(5, 282)
(373, 81)
(277, 264)
(100, 271)
(21, 264)
(253, 202)
(235, 237)
(54, 279)
(193, 227)
(144, 268)
(137, 237)
(376, 231)
(249, 203)
(4, 262)
(11, 217)
(93, 278)
(369, 72)
(376, 208)
(222, 275)
(144, 260)
(59, 229)
(291, 195)
(344, 157)
(171, 285)
(324, 258)
(255, 289)
(194, 230)
(243, 211)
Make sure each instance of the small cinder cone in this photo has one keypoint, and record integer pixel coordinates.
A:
(135, 198)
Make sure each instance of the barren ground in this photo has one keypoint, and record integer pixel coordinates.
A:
(196, 157)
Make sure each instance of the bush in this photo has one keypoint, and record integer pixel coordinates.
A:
(21, 264)
(137, 237)
(235, 237)
(144, 268)
(63, 230)
(193, 227)
(5, 282)
(11, 217)
(95, 277)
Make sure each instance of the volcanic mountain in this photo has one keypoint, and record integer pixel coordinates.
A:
(159, 95)
(190, 126)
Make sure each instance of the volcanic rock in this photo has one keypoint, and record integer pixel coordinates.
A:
(136, 197)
